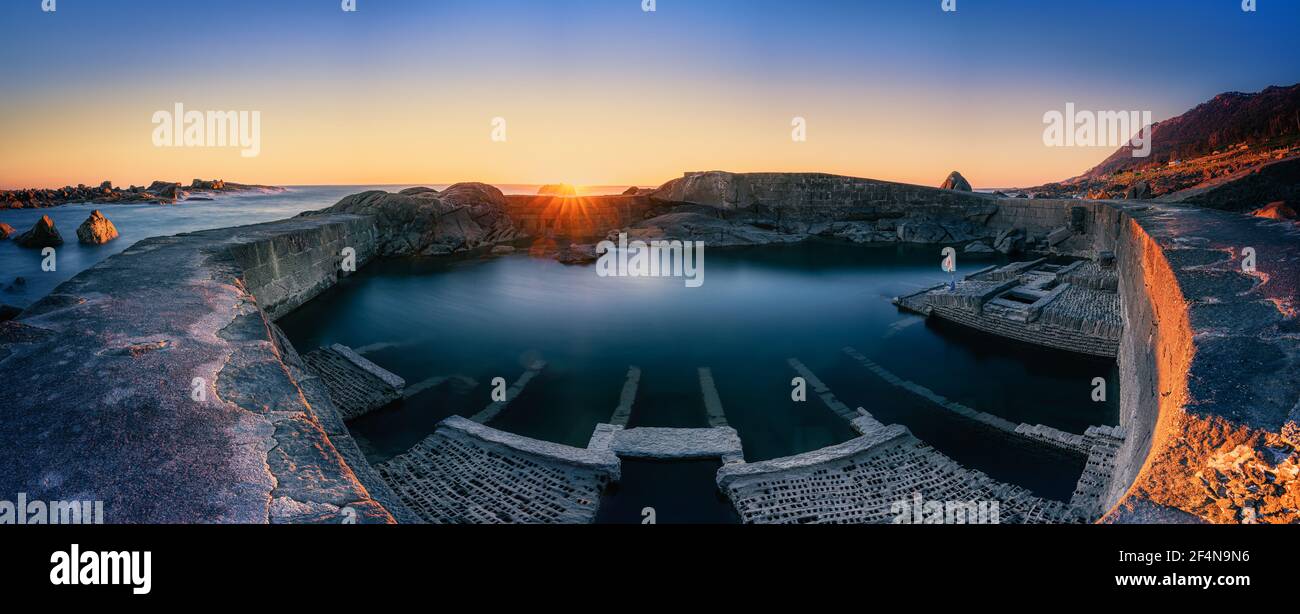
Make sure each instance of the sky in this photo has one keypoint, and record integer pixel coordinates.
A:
(601, 92)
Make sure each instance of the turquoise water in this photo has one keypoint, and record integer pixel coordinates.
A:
(454, 325)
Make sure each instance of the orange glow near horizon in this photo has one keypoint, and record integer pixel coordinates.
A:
(590, 136)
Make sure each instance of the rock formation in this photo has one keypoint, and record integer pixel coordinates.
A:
(632, 191)
(42, 234)
(6, 231)
(1138, 191)
(1010, 241)
(955, 182)
(1276, 211)
(161, 192)
(8, 312)
(782, 207)
(421, 221)
(96, 230)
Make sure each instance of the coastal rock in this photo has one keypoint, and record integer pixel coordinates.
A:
(463, 217)
(502, 250)
(1138, 191)
(557, 189)
(956, 182)
(8, 312)
(979, 247)
(922, 232)
(42, 234)
(96, 230)
(577, 254)
(713, 231)
(1274, 211)
(632, 191)
(418, 190)
(215, 184)
(1010, 241)
(6, 231)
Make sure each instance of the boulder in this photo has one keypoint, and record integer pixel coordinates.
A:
(922, 232)
(1138, 191)
(96, 230)
(577, 254)
(956, 182)
(6, 231)
(1274, 211)
(979, 247)
(463, 217)
(502, 250)
(417, 191)
(631, 191)
(1010, 241)
(42, 234)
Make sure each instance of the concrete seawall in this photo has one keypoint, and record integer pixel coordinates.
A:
(1209, 358)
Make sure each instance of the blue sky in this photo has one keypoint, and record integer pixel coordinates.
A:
(820, 59)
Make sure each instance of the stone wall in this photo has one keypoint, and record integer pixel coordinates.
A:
(287, 268)
(1210, 367)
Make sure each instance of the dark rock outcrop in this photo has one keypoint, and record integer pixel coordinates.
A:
(1276, 211)
(956, 182)
(1010, 241)
(8, 312)
(161, 192)
(1138, 191)
(42, 234)
(772, 207)
(6, 231)
(584, 253)
(96, 230)
(463, 217)
(632, 191)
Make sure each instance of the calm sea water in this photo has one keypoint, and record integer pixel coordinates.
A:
(450, 326)
(138, 221)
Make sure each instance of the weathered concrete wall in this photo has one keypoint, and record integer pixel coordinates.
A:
(285, 269)
(1210, 365)
(1209, 358)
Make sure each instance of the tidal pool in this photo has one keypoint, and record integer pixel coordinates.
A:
(449, 326)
